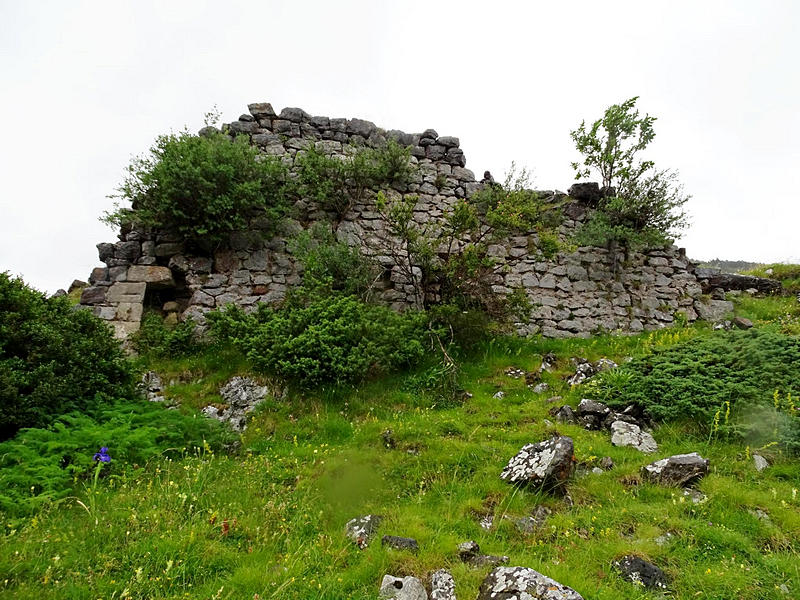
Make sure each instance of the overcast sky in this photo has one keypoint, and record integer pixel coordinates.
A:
(86, 85)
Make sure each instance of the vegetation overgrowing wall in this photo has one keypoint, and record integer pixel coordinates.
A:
(573, 291)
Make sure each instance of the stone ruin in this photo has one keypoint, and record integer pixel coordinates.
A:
(578, 292)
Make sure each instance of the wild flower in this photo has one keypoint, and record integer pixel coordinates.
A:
(102, 456)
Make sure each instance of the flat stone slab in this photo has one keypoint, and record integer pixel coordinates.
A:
(628, 434)
(546, 464)
(677, 470)
(522, 583)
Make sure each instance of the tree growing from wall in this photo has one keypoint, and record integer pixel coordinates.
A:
(641, 206)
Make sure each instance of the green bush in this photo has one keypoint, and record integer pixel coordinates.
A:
(335, 183)
(331, 264)
(54, 359)
(203, 187)
(40, 466)
(733, 372)
(154, 338)
(333, 339)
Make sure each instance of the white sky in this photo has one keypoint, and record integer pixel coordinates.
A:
(86, 85)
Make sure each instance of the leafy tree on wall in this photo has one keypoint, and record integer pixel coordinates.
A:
(641, 206)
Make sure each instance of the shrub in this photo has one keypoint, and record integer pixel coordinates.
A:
(694, 379)
(54, 359)
(40, 466)
(203, 187)
(156, 339)
(331, 264)
(335, 183)
(333, 339)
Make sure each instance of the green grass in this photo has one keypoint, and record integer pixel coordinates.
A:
(311, 462)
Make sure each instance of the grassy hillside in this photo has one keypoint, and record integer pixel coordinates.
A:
(266, 519)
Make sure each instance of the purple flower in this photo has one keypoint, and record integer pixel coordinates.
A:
(102, 456)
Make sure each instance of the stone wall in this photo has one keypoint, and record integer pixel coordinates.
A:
(576, 293)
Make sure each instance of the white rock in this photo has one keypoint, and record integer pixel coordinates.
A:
(628, 434)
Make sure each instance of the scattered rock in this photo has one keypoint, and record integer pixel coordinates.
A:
(514, 372)
(400, 543)
(742, 323)
(470, 553)
(696, 496)
(152, 387)
(664, 539)
(533, 522)
(443, 587)
(714, 310)
(627, 434)
(760, 514)
(565, 414)
(584, 370)
(760, 462)
(540, 388)
(361, 530)
(388, 439)
(553, 399)
(242, 395)
(547, 464)
(678, 470)
(597, 471)
(592, 414)
(486, 521)
(402, 588)
(639, 571)
(606, 463)
(522, 583)
(548, 362)
(499, 395)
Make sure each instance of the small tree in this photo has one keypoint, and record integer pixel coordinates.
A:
(641, 205)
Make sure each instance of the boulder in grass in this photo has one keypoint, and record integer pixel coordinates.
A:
(628, 434)
(402, 588)
(361, 530)
(548, 464)
(400, 543)
(522, 583)
(639, 571)
(678, 470)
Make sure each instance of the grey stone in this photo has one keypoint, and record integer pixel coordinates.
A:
(402, 588)
(639, 571)
(93, 295)
(443, 587)
(628, 434)
(242, 395)
(400, 543)
(470, 553)
(548, 464)
(565, 414)
(361, 530)
(261, 110)
(522, 583)
(360, 127)
(155, 277)
(760, 462)
(714, 310)
(294, 115)
(678, 470)
(243, 127)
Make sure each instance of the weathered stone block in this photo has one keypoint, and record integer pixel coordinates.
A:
(157, 277)
(126, 292)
